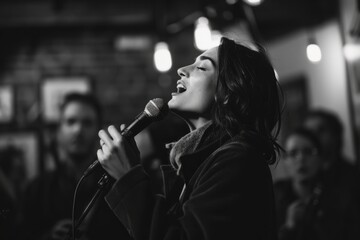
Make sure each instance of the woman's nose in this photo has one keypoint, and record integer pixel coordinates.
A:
(182, 72)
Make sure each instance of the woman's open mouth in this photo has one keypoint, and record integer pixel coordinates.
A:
(180, 88)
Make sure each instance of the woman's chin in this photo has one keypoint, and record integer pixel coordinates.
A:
(173, 105)
(175, 108)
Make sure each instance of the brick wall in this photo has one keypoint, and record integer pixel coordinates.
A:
(123, 80)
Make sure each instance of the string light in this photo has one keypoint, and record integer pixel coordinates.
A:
(253, 2)
(204, 37)
(313, 51)
(202, 34)
(351, 52)
(162, 57)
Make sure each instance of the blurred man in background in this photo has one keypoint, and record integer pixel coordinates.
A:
(49, 198)
(12, 180)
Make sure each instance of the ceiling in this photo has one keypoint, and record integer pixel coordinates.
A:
(268, 21)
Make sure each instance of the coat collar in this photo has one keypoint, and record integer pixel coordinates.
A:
(190, 163)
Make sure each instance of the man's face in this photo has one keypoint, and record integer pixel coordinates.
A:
(78, 129)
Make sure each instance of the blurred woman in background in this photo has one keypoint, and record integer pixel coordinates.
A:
(306, 209)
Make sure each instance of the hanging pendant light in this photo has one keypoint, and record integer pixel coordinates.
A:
(162, 57)
(313, 50)
(202, 34)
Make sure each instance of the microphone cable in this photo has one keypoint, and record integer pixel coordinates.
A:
(104, 180)
(74, 206)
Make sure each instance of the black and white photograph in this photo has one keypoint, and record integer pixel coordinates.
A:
(180, 120)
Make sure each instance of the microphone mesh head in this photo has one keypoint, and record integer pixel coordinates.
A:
(156, 108)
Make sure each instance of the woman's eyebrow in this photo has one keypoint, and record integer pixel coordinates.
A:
(202, 58)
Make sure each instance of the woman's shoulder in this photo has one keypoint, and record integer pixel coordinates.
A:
(238, 156)
(234, 163)
(237, 147)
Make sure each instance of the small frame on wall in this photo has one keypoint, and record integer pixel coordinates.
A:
(296, 104)
(354, 91)
(53, 90)
(6, 103)
(19, 153)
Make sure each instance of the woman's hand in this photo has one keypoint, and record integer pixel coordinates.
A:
(117, 154)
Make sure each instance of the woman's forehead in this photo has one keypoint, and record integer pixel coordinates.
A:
(210, 54)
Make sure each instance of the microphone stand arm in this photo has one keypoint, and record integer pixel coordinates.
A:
(101, 184)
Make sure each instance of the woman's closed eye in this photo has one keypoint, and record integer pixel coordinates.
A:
(201, 68)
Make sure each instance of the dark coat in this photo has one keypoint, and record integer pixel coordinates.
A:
(228, 195)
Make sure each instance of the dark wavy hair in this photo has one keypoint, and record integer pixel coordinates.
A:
(248, 96)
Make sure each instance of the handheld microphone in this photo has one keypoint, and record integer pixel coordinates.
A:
(155, 110)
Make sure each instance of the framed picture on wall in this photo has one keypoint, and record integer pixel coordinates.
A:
(19, 153)
(296, 106)
(54, 89)
(6, 103)
(296, 103)
(354, 91)
(354, 74)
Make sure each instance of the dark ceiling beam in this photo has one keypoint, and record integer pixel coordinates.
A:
(278, 17)
(42, 13)
(270, 20)
(160, 18)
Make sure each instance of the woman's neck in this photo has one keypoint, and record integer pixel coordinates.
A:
(197, 123)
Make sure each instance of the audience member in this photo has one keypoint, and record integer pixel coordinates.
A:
(329, 129)
(49, 198)
(306, 209)
(12, 180)
(338, 172)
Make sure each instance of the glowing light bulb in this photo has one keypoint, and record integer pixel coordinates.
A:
(202, 34)
(162, 57)
(351, 52)
(313, 52)
(253, 2)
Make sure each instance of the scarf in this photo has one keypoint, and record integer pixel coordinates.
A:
(185, 145)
